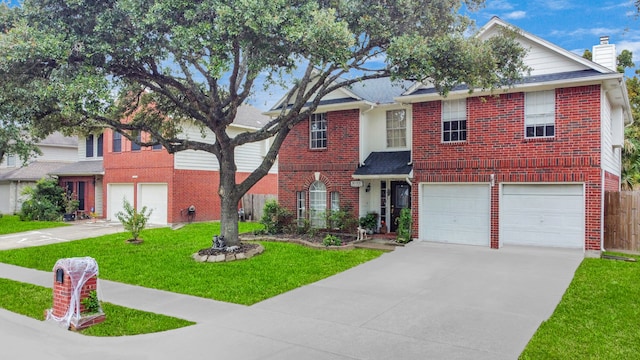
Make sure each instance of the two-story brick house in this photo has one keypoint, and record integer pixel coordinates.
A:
(171, 183)
(526, 165)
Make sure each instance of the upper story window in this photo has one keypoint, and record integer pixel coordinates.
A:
(134, 145)
(11, 160)
(88, 141)
(540, 114)
(396, 128)
(117, 141)
(157, 147)
(318, 131)
(100, 142)
(454, 120)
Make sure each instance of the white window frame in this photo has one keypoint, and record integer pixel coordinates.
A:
(318, 131)
(301, 206)
(540, 114)
(318, 204)
(335, 201)
(454, 121)
(11, 160)
(396, 125)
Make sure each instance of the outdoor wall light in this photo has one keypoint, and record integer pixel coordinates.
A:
(368, 187)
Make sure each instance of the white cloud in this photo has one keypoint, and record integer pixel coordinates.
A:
(516, 15)
(498, 5)
(580, 32)
(558, 4)
(633, 46)
(618, 5)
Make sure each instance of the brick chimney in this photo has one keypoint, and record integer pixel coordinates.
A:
(605, 53)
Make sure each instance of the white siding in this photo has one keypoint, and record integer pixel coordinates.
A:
(55, 153)
(611, 161)
(545, 61)
(374, 130)
(99, 197)
(248, 156)
(5, 196)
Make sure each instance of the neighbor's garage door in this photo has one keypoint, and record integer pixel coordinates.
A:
(5, 201)
(115, 195)
(542, 215)
(455, 213)
(154, 197)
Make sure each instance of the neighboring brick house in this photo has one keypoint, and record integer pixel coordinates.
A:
(525, 166)
(171, 183)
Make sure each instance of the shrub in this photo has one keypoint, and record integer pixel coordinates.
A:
(341, 220)
(45, 201)
(91, 303)
(369, 221)
(331, 240)
(134, 221)
(275, 218)
(404, 226)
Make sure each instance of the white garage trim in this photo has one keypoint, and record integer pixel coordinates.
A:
(458, 213)
(115, 195)
(155, 197)
(5, 198)
(548, 214)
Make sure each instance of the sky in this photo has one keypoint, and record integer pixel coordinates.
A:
(574, 25)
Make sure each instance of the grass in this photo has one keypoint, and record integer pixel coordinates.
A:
(120, 321)
(10, 224)
(164, 262)
(597, 317)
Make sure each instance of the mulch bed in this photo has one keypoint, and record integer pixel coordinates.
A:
(242, 248)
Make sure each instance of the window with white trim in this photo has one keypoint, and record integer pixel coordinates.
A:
(396, 128)
(540, 114)
(116, 142)
(317, 204)
(301, 207)
(318, 131)
(454, 120)
(335, 201)
(11, 160)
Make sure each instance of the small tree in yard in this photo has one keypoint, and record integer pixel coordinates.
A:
(176, 62)
(134, 221)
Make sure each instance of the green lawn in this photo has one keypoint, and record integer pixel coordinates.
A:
(598, 316)
(164, 262)
(32, 300)
(10, 224)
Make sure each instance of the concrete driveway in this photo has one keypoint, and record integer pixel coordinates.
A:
(423, 301)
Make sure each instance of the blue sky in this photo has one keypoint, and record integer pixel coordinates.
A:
(574, 25)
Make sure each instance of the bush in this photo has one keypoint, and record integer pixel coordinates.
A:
(134, 221)
(342, 220)
(404, 226)
(369, 221)
(330, 240)
(275, 218)
(45, 201)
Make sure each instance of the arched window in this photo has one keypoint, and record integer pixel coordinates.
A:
(317, 204)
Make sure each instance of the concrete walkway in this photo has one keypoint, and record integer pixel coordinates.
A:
(423, 301)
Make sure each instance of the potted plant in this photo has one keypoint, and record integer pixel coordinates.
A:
(70, 207)
(369, 222)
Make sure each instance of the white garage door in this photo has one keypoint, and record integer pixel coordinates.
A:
(542, 215)
(155, 197)
(5, 199)
(455, 213)
(115, 195)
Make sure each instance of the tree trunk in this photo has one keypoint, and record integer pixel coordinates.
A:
(229, 198)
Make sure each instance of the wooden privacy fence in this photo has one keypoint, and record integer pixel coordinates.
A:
(253, 204)
(622, 220)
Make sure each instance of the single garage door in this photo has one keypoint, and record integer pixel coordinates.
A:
(455, 213)
(154, 197)
(542, 215)
(115, 195)
(5, 198)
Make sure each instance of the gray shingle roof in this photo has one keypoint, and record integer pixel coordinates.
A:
(528, 80)
(386, 163)
(58, 139)
(93, 167)
(33, 171)
(250, 116)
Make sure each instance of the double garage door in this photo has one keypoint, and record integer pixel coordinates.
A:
(532, 214)
(153, 196)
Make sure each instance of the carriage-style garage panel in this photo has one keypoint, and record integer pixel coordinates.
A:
(455, 213)
(155, 198)
(115, 195)
(542, 215)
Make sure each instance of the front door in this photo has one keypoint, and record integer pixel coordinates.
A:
(400, 199)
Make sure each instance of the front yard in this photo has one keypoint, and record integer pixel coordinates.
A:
(10, 224)
(597, 318)
(164, 262)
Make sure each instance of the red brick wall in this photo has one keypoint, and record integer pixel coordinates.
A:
(89, 190)
(496, 145)
(297, 163)
(62, 293)
(611, 182)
